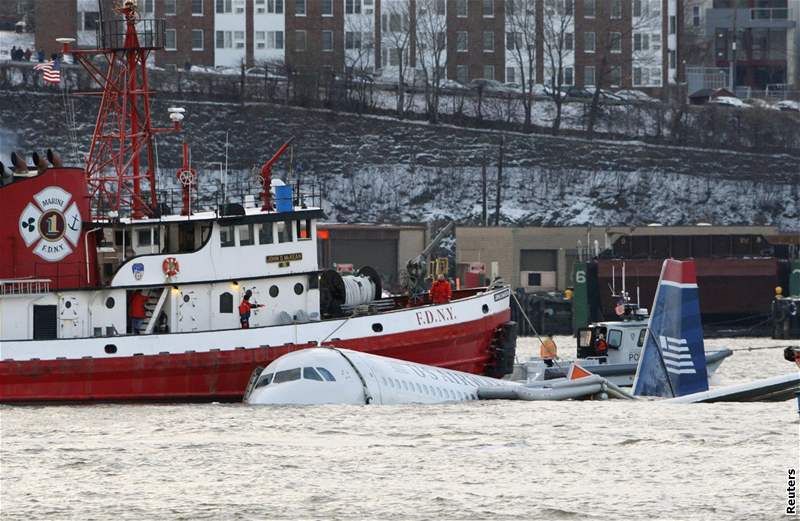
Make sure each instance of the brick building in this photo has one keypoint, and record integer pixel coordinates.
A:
(643, 44)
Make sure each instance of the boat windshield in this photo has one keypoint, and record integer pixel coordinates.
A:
(614, 338)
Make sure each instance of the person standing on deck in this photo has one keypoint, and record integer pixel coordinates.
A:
(548, 351)
(137, 311)
(244, 309)
(441, 292)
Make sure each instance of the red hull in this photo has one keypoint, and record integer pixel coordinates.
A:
(223, 375)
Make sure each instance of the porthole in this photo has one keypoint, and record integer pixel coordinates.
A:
(68, 304)
(485, 308)
(298, 289)
(273, 291)
(110, 302)
(377, 327)
(110, 349)
(186, 298)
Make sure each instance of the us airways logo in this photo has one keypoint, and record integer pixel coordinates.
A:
(676, 355)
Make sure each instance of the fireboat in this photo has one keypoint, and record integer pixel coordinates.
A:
(80, 242)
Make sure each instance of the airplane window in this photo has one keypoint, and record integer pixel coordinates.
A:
(263, 380)
(326, 374)
(310, 374)
(287, 376)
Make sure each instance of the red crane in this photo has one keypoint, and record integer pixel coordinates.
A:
(120, 167)
(266, 176)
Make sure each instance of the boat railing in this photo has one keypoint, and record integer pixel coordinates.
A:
(26, 286)
(171, 199)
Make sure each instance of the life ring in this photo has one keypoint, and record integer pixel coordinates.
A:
(170, 266)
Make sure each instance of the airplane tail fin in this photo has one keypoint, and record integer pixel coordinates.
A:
(673, 361)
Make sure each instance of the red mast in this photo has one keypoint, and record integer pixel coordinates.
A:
(120, 167)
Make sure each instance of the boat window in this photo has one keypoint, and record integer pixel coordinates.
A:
(246, 235)
(143, 236)
(265, 233)
(226, 237)
(614, 338)
(310, 374)
(303, 229)
(642, 335)
(287, 376)
(263, 380)
(285, 231)
(326, 374)
(585, 338)
(273, 291)
(226, 303)
(298, 289)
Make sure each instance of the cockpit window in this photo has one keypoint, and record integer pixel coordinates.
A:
(310, 374)
(326, 374)
(287, 376)
(263, 380)
(614, 338)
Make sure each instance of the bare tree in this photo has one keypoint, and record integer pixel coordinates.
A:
(431, 44)
(521, 20)
(558, 45)
(396, 33)
(359, 56)
(618, 23)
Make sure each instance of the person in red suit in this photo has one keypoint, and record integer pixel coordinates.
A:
(244, 309)
(441, 292)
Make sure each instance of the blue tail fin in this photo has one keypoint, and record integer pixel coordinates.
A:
(673, 359)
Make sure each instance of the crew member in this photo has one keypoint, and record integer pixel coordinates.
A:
(441, 291)
(137, 311)
(601, 346)
(792, 354)
(244, 309)
(548, 351)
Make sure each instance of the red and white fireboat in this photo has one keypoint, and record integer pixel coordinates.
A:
(78, 242)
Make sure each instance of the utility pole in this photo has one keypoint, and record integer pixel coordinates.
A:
(499, 181)
(732, 72)
(484, 192)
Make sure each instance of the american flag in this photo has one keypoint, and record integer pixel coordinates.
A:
(52, 70)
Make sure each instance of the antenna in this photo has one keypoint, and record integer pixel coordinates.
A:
(624, 294)
(613, 280)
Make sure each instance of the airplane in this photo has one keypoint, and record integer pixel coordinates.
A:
(672, 363)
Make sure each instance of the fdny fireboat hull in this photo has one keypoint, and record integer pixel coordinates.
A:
(222, 375)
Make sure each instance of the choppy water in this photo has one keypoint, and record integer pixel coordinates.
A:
(489, 460)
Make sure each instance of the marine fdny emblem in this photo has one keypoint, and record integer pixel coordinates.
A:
(50, 224)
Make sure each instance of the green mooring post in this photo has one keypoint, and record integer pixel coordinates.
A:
(580, 297)
(794, 278)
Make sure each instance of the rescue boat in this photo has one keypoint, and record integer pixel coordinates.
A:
(78, 242)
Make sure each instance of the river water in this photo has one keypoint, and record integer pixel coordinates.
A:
(476, 460)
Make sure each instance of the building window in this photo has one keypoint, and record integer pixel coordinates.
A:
(170, 36)
(197, 39)
(197, 7)
(641, 42)
(673, 24)
(224, 6)
(260, 38)
(441, 7)
(588, 76)
(246, 237)
(569, 76)
(265, 233)
(488, 41)
(90, 20)
(569, 7)
(673, 59)
(589, 8)
(169, 7)
(511, 74)
(352, 40)
(461, 41)
(640, 8)
(616, 9)
(300, 9)
(238, 39)
(588, 42)
(615, 76)
(299, 41)
(275, 39)
(462, 74)
(655, 41)
(224, 40)
(327, 40)
(352, 6)
(696, 16)
(226, 303)
(655, 76)
(327, 7)
(260, 9)
(488, 8)
(616, 42)
(510, 41)
(488, 72)
(569, 41)
(461, 8)
(637, 77)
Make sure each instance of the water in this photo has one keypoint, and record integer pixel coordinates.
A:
(487, 460)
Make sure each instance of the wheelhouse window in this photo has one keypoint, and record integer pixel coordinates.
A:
(304, 229)
(246, 237)
(614, 338)
(642, 335)
(226, 236)
(285, 232)
(265, 233)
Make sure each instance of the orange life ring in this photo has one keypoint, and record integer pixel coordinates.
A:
(170, 266)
